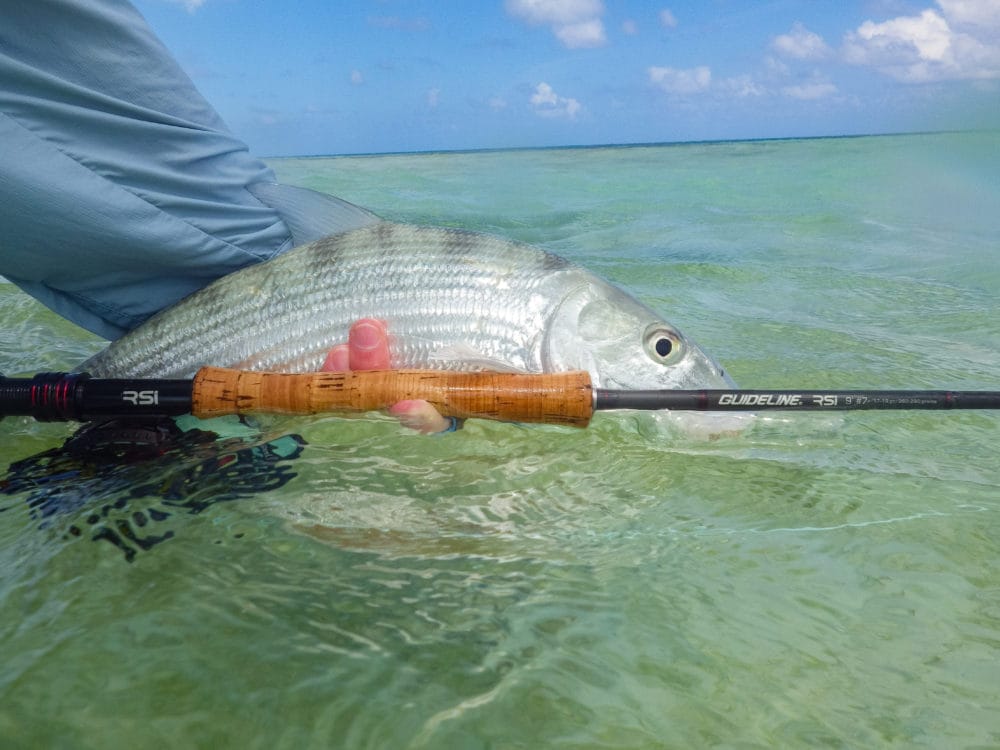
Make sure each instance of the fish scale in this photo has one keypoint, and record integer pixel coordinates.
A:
(450, 299)
(426, 283)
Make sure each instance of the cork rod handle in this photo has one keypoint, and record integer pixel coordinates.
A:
(552, 398)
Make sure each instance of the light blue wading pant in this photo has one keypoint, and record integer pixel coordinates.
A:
(121, 190)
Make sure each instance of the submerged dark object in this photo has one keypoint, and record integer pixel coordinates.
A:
(98, 479)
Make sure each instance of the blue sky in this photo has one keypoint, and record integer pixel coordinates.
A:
(372, 76)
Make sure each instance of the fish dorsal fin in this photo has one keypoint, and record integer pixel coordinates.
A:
(471, 358)
(311, 215)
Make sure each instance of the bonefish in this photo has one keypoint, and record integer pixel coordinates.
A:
(450, 299)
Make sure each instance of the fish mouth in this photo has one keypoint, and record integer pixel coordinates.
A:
(706, 372)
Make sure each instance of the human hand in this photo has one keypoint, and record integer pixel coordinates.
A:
(367, 348)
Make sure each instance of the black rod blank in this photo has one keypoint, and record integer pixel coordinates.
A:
(53, 396)
(793, 400)
(60, 396)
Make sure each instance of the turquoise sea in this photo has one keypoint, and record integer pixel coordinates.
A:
(816, 581)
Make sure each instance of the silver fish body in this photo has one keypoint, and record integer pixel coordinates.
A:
(451, 299)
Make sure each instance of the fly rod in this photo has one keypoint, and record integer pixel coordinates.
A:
(566, 398)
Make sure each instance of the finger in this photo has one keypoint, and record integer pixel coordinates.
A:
(338, 359)
(419, 415)
(368, 344)
(368, 349)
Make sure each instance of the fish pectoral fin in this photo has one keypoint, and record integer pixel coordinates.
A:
(311, 215)
(470, 358)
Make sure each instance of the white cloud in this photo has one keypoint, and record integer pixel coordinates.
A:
(776, 66)
(189, 5)
(962, 44)
(548, 103)
(497, 103)
(357, 77)
(433, 97)
(681, 81)
(926, 37)
(743, 86)
(585, 34)
(576, 23)
(555, 12)
(973, 12)
(801, 44)
(810, 91)
(668, 19)
(629, 27)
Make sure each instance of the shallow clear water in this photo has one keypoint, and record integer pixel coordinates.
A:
(816, 581)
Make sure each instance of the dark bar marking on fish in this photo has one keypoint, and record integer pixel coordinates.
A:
(458, 243)
(384, 232)
(326, 252)
(553, 262)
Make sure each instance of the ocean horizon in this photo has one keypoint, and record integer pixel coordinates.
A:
(644, 144)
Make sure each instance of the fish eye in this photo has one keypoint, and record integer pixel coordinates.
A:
(662, 344)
